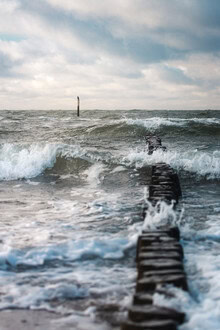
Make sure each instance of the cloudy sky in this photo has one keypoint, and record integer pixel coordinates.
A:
(114, 54)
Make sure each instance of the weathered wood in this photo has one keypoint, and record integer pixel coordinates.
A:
(78, 105)
(158, 246)
(158, 264)
(153, 144)
(148, 283)
(150, 325)
(142, 313)
(159, 255)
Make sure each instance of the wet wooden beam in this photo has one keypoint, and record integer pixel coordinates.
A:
(78, 105)
(154, 143)
(159, 256)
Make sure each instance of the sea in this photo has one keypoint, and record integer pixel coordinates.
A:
(72, 192)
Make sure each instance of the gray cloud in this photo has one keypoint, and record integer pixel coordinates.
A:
(208, 13)
(8, 66)
(56, 49)
(5, 66)
(190, 23)
(176, 76)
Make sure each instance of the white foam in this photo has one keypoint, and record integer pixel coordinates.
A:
(27, 161)
(18, 161)
(202, 304)
(208, 235)
(156, 122)
(106, 248)
(81, 321)
(30, 296)
(94, 174)
(162, 213)
(201, 163)
(118, 169)
(60, 283)
(205, 121)
(201, 308)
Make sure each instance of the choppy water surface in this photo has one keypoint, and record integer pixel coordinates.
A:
(71, 198)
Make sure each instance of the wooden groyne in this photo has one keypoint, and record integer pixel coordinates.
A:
(154, 143)
(159, 257)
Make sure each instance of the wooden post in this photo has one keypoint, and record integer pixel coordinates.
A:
(78, 104)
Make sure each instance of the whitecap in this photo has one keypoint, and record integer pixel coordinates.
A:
(194, 161)
(154, 123)
(18, 161)
(28, 161)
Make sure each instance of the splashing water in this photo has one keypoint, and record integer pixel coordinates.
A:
(160, 214)
(68, 233)
(203, 164)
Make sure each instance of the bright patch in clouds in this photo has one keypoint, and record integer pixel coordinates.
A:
(117, 54)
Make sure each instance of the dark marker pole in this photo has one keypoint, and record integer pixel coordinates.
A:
(78, 103)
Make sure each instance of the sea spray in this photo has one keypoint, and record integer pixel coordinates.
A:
(160, 214)
(49, 231)
(193, 161)
(94, 174)
(18, 161)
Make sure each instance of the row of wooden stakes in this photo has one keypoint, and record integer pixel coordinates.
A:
(159, 256)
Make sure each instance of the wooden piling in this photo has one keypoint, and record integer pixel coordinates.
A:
(159, 256)
(78, 105)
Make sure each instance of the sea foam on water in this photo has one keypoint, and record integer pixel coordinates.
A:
(71, 211)
(193, 161)
(25, 161)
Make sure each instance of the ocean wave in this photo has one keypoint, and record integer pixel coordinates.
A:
(194, 161)
(155, 123)
(139, 126)
(71, 251)
(28, 161)
(18, 161)
(30, 296)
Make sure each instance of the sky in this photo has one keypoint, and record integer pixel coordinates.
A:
(114, 54)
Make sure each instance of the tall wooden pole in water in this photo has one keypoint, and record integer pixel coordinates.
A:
(78, 104)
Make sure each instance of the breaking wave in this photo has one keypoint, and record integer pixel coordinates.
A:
(189, 126)
(28, 161)
(194, 161)
(80, 249)
(18, 162)
(155, 122)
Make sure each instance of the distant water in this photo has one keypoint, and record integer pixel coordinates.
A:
(71, 198)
